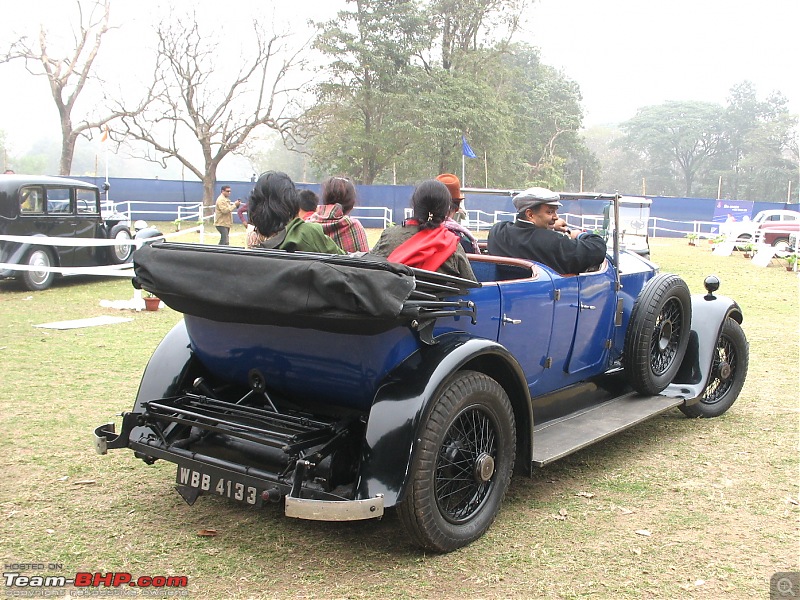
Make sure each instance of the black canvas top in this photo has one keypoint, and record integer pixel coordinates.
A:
(333, 293)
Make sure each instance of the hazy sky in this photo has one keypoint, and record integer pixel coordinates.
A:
(624, 54)
(631, 53)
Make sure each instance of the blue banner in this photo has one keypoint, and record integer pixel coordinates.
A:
(738, 209)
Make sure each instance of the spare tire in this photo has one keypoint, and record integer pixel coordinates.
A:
(658, 333)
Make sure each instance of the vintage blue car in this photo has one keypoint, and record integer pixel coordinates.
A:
(344, 386)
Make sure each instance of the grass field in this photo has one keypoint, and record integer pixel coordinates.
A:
(672, 508)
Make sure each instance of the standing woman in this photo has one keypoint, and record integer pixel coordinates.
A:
(423, 241)
(272, 209)
(338, 199)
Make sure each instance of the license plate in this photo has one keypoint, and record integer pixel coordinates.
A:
(222, 486)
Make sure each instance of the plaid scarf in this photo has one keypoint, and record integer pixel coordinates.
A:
(348, 233)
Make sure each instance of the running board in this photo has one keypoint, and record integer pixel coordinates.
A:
(557, 438)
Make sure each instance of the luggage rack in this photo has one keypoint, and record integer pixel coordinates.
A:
(294, 435)
(435, 295)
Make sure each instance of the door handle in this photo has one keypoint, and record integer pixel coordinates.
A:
(584, 306)
(509, 321)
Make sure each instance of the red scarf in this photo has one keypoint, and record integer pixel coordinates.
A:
(427, 249)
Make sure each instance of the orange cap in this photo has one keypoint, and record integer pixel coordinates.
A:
(453, 184)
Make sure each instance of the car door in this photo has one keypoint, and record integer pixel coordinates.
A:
(87, 225)
(60, 220)
(527, 310)
(595, 308)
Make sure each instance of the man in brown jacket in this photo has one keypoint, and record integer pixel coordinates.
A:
(223, 220)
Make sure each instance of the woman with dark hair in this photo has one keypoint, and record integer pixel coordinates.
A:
(272, 209)
(423, 241)
(338, 199)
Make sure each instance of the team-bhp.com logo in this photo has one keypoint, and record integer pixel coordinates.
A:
(94, 580)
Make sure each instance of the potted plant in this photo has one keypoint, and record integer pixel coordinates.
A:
(749, 250)
(692, 237)
(791, 261)
(151, 301)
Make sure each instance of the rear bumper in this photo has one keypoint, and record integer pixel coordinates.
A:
(271, 486)
(334, 510)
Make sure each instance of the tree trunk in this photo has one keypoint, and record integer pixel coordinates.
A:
(209, 181)
(67, 150)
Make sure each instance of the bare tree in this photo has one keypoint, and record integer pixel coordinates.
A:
(67, 75)
(195, 97)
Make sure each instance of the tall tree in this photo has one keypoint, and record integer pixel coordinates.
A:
(622, 169)
(762, 136)
(408, 79)
(68, 74)
(365, 115)
(198, 112)
(683, 136)
(464, 62)
(466, 25)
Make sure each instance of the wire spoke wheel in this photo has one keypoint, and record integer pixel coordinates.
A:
(727, 374)
(723, 372)
(465, 465)
(666, 337)
(462, 466)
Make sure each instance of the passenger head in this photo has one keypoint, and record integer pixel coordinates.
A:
(431, 203)
(453, 184)
(339, 190)
(272, 203)
(538, 205)
(308, 202)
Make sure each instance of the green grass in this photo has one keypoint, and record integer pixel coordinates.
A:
(718, 496)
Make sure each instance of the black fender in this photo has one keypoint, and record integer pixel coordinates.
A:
(708, 316)
(164, 376)
(148, 233)
(168, 367)
(404, 400)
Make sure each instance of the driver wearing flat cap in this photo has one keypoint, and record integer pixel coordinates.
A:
(532, 236)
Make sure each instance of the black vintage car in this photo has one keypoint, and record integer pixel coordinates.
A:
(33, 206)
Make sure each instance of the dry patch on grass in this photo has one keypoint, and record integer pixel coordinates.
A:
(672, 508)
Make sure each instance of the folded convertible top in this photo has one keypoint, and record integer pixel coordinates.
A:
(296, 289)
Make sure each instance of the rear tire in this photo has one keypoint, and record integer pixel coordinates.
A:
(462, 466)
(781, 244)
(728, 372)
(37, 281)
(119, 255)
(658, 333)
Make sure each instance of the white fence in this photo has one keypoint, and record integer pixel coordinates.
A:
(382, 216)
(185, 213)
(476, 220)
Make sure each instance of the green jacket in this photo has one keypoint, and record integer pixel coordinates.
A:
(308, 237)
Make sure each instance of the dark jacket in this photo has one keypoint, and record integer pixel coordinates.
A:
(523, 239)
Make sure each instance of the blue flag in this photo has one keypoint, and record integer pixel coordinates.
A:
(465, 149)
